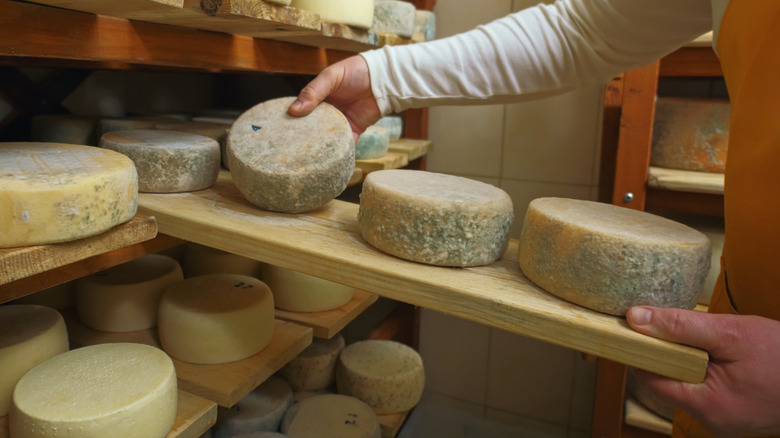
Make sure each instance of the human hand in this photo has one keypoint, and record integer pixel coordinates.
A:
(345, 85)
(741, 393)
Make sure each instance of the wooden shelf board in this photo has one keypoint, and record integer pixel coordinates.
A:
(639, 416)
(194, 416)
(326, 243)
(412, 148)
(391, 424)
(391, 160)
(686, 180)
(336, 36)
(224, 384)
(328, 323)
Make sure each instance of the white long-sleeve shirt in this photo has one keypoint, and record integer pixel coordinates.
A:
(538, 52)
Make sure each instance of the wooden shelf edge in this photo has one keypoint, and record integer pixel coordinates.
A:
(327, 324)
(686, 180)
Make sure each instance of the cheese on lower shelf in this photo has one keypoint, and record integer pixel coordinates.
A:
(394, 17)
(314, 369)
(215, 131)
(216, 318)
(260, 410)
(434, 218)
(29, 335)
(299, 292)
(331, 416)
(125, 298)
(54, 192)
(125, 123)
(356, 13)
(648, 398)
(64, 128)
(168, 161)
(202, 260)
(387, 375)
(122, 390)
(610, 258)
(424, 26)
(394, 126)
(290, 164)
(373, 143)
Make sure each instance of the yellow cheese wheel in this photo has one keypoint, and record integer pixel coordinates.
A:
(299, 292)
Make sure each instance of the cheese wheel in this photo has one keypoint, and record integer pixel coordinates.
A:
(125, 298)
(29, 335)
(424, 26)
(126, 390)
(299, 292)
(215, 131)
(290, 164)
(216, 318)
(331, 416)
(202, 260)
(64, 128)
(260, 410)
(60, 297)
(51, 192)
(373, 143)
(394, 17)
(168, 161)
(394, 126)
(125, 123)
(434, 218)
(609, 258)
(648, 398)
(387, 375)
(356, 13)
(314, 369)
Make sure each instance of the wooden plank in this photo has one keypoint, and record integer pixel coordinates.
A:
(686, 180)
(391, 160)
(326, 243)
(412, 148)
(328, 323)
(691, 62)
(639, 416)
(336, 36)
(391, 39)
(390, 424)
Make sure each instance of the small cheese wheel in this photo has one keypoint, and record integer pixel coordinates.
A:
(394, 126)
(125, 123)
(29, 335)
(60, 297)
(387, 375)
(609, 258)
(202, 260)
(260, 410)
(299, 292)
(168, 161)
(394, 17)
(331, 416)
(290, 164)
(215, 131)
(356, 13)
(373, 143)
(434, 218)
(126, 390)
(216, 318)
(64, 128)
(54, 192)
(125, 298)
(314, 369)
(424, 26)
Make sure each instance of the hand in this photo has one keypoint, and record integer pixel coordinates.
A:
(345, 85)
(741, 392)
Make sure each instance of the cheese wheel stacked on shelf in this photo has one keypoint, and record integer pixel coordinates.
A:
(424, 26)
(56, 192)
(373, 143)
(609, 258)
(260, 410)
(394, 126)
(215, 131)
(314, 369)
(203, 260)
(125, 389)
(356, 13)
(113, 124)
(299, 292)
(394, 17)
(331, 416)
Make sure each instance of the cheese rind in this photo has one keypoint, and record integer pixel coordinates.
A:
(387, 375)
(126, 390)
(357, 13)
(290, 164)
(215, 131)
(434, 218)
(29, 335)
(610, 258)
(299, 292)
(260, 410)
(394, 126)
(373, 143)
(331, 416)
(216, 318)
(314, 369)
(424, 26)
(51, 192)
(394, 17)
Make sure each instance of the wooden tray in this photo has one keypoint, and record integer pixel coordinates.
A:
(328, 323)
(327, 244)
(686, 180)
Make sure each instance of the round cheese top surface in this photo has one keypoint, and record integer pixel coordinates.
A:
(19, 323)
(380, 359)
(435, 186)
(331, 416)
(234, 292)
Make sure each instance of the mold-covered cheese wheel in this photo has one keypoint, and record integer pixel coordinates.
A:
(260, 410)
(394, 17)
(331, 416)
(373, 143)
(314, 369)
(610, 258)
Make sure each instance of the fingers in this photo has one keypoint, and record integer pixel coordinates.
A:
(314, 93)
(680, 326)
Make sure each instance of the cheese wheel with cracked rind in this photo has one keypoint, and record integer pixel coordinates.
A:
(168, 161)
(126, 390)
(314, 369)
(387, 375)
(290, 164)
(434, 218)
(29, 335)
(299, 292)
(609, 258)
(331, 416)
(260, 410)
(53, 192)
(394, 17)
(356, 13)
(216, 318)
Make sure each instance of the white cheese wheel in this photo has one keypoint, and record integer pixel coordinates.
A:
(610, 258)
(424, 26)
(55, 192)
(168, 161)
(202, 260)
(215, 131)
(373, 143)
(434, 218)
(394, 17)
(299, 292)
(260, 410)
(29, 335)
(290, 164)
(60, 297)
(387, 375)
(125, 298)
(314, 369)
(394, 126)
(331, 416)
(216, 318)
(108, 390)
(356, 13)
(64, 128)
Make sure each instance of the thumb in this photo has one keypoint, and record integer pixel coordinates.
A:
(696, 329)
(314, 93)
